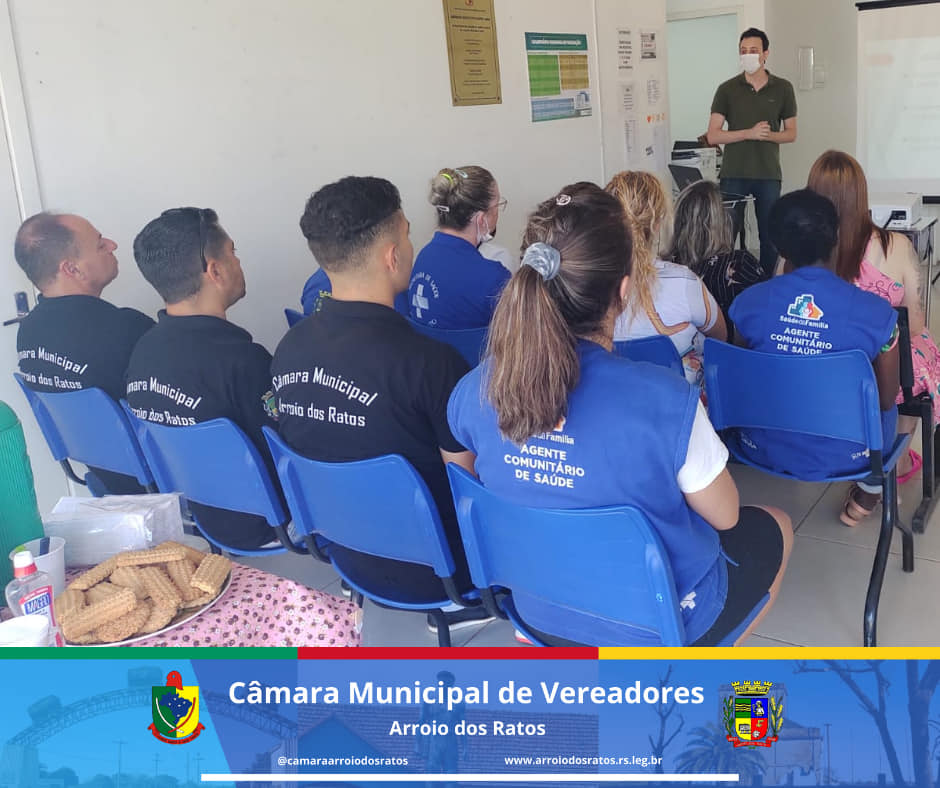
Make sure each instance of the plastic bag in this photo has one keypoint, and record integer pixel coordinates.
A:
(94, 529)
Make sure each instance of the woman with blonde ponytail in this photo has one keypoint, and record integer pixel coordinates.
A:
(667, 298)
(453, 286)
(557, 420)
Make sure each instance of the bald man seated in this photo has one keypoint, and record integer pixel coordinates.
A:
(74, 339)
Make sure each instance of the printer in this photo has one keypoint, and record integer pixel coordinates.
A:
(703, 159)
(895, 211)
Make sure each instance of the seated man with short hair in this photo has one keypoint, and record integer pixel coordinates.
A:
(74, 339)
(195, 365)
(359, 235)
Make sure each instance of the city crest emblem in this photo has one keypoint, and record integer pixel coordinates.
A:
(175, 711)
(752, 716)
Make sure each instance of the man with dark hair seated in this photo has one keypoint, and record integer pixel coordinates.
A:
(195, 365)
(356, 230)
(810, 310)
(74, 339)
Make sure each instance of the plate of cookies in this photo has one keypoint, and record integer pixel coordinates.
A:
(137, 594)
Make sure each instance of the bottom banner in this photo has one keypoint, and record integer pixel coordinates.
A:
(182, 723)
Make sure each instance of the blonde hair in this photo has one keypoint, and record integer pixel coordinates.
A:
(459, 193)
(648, 214)
(532, 342)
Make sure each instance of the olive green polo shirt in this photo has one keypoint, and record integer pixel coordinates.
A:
(744, 107)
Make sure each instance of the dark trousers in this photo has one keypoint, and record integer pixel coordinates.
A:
(765, 193)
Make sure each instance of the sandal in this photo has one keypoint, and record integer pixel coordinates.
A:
(858, 505)
(917, 463)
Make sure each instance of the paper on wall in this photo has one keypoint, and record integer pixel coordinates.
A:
(624, 50)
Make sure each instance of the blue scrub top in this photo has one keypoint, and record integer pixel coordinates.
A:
(623, 441)
(453, 286)
(809, 312)
(319, 287)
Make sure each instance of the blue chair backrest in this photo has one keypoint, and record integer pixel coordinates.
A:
(89, 427)
(469, 342)
(212, 463)
(832, 395)
(379, 506)
(656, 349)
(594, 576)
(293, 317)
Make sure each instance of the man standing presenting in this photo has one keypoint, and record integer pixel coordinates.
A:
(760, 110)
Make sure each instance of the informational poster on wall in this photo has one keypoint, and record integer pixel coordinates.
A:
(559, 80)
(624, 50)
(472, 53)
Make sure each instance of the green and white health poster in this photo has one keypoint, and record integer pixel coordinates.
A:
(559, 81)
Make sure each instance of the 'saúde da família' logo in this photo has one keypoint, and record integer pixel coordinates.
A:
(752, 713)
(175, 710)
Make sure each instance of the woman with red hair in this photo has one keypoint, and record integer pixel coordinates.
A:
(883, 263)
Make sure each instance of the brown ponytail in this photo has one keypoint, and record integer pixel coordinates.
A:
(533, 363)
(457, 194)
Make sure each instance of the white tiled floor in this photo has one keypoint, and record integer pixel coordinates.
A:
(823, 593)
(820, 603)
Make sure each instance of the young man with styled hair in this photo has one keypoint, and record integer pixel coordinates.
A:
(356, 230)
(759, 109)
(195, 365)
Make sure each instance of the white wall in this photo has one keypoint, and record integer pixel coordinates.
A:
(826, 115)
(693, 74)
(15, 189)
(249, 106)
(750, 12)
(637, 17)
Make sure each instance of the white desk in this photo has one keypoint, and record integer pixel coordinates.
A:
(921, 235)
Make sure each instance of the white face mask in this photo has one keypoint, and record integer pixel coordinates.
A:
(485, 236)
(750, 63)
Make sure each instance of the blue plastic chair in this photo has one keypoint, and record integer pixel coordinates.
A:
(469, 342)
(215, 464)
(656, 349)
(89, 427)
(379, 506)
(600, 577)
(833, 395)
(293, 317)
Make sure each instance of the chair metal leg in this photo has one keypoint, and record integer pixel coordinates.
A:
(907, 540)
(443, 631)
(931, 455)
(889, 510)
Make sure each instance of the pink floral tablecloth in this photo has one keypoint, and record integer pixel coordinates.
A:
(261, 609)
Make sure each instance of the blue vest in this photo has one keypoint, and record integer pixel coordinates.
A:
(623, 441)
(453, 286)
(808, 312)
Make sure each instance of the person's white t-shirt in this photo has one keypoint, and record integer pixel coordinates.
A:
(684, 311)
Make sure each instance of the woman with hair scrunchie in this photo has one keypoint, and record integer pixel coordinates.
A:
(615, 431)
(453, 286)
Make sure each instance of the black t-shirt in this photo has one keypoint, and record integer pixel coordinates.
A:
(78, 342)
(355, 381)
(195, 368)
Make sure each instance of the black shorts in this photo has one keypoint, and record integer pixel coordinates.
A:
(755, 549)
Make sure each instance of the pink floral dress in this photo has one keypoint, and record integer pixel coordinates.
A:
(924, 351)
